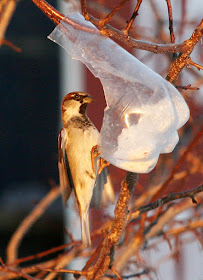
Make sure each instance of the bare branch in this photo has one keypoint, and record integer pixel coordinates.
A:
(5, 16)
(191, 226)
(160, 202)
(112, 238)
(196, 65)
(178, 164)
(135, 245)
(145, 271)
(7, 9)
(184, 58)
(28, 222)
(112, 32)
(84, 9)
(18, 273)
(187, 87)
(104, 21)
(135, 13)
(170, 18)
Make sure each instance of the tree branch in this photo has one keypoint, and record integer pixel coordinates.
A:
(112, 32)
(134, 245)
(28, 222)
(132, 19)
(170, 18)
(178, 164)
(184, 58)
(160, 202)
(112, 239)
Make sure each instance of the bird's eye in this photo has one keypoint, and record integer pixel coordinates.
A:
(77, 97)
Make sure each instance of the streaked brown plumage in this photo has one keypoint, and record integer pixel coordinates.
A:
(76, 140)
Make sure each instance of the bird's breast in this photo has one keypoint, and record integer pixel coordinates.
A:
(80, 122)
(78, 149)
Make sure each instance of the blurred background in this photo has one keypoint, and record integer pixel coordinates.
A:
(29, 86)
(32, 84)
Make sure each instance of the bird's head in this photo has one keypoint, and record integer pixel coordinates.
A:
(75, 103)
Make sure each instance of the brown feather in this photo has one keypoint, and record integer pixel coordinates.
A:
(63, 175)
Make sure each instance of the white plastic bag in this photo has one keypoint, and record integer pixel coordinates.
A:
(143, 110)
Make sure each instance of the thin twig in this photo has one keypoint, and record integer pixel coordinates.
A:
(184, 58)
(59, 270)
(110, 243)
(5, 17)
(11, 45)
(6, 14)
(63, 258)
(45, 253)
(178, 164)
(166, 217)
(104, 21)
(187, 87)
(170, 18)
(191, 226)
(16, 272)
(132, 19)
(28, 222)
(116, 273)
(110, 31)
(57, 17)
(84, 9)
(160, 202)
(145, 271)
(199, 67)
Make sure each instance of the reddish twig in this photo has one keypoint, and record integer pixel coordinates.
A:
(116, 273)
(11, 45)
(93, 257)
(177, 166)
(199, 67)
(16, 272)
(132, 19)
(184, 58)
(28, 222)
(111, 240)
(56, 16)
(145, 271)
(104, 21)
(45, 253)
(170, 18)
(6, 14)
(190, 227)
(110, 31)
(187, 87)
(84, 9)
(160, 202)
(59, 270)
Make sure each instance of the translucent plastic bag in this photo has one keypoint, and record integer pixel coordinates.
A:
(143, 110)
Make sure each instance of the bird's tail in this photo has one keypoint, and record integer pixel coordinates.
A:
(84, 216)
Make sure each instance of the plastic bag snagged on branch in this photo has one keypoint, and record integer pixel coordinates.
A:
(143, 110)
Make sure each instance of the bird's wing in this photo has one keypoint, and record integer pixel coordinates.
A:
(64, 177)
(108, 194)
(103, 193)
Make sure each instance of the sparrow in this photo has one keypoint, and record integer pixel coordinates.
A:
(76, 171)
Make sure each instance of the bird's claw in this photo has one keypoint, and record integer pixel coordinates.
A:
(102, 165)
(94, 154)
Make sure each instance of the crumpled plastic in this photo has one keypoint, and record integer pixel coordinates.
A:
(144, 111)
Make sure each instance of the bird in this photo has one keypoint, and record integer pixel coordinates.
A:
(78, 168)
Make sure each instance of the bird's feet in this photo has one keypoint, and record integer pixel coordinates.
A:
(94, 154)
(102, 163)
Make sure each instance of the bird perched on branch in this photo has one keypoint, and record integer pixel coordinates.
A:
(76, 170)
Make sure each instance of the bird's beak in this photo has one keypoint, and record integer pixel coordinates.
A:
(88, 99)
